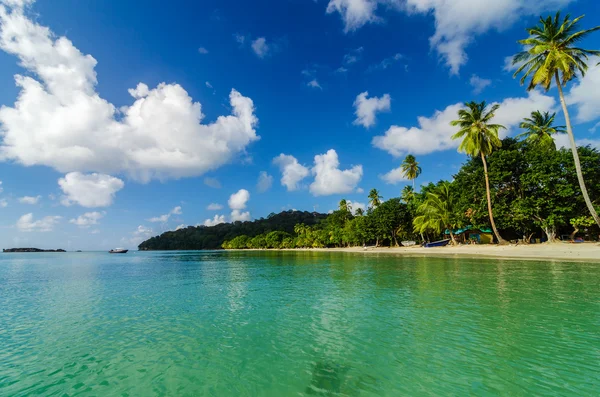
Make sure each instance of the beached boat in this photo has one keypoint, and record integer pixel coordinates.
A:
(118, 251)
(408, 243)
(441, 243)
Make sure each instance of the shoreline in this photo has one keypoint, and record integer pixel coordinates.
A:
(583, 252)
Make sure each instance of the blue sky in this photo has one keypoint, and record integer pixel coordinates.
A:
(344, 89)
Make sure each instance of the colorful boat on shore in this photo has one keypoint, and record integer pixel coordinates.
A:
(441, 243)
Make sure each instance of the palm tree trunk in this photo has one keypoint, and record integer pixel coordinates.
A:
(452, 237)
(413, 184)
(489, 202)
(584, 191)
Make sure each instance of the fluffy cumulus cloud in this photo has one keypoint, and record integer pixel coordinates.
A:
(260, 47)
(330, 179)
(237, 215)
(26, 223)
(292, 172)
(435, 133)
(479, 84)
(179, 227)
(238, 200)
(91, 190)
(29, 199)
(457, 22)
(88, 219)
(394, 177)
(217, 219)
(60, 121)
(165, 218)
(214, 207)
(140, 234)
(265, 181)
(367, 108)
(585, 95)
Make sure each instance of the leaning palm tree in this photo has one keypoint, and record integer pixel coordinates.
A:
(540, 129)
(479, 138)
(437, 212)
(374, 198)
(551, 53)
(410, 168)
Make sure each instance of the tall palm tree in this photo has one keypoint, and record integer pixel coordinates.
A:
(410, 168)
(374, 198)
(539, 129)
(551, 53)
(479, 138)
(437, 212)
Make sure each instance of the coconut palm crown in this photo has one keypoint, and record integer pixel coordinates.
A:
(540, 129)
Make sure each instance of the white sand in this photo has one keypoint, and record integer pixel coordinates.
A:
(589, 252)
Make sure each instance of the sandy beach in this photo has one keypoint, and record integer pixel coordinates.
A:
(589, 252)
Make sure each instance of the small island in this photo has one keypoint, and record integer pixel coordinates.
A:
(30, 250)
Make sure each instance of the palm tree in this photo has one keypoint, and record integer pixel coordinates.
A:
(374, 198)
(479, 138)
(539, 129)
(551, 52)
(410, 168)
(408, 193)
(437, 212)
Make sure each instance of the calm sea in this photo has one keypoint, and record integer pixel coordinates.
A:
(296, 324)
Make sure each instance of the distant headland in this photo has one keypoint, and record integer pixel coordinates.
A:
(30, 250)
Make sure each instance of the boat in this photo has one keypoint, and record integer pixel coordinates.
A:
(408, 243)
(118, 251)
(441, 243)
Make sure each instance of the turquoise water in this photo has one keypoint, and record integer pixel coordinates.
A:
(296, 324)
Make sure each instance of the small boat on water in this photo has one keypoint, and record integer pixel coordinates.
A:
(118, 251)
(441, 243)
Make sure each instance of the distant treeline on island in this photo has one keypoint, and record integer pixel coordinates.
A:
(213, 237)
(30, 250)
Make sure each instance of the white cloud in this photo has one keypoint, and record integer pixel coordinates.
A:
(585, 94)
(237, 215)
(88, 219)
(238, 200)
(265, 181)
(479, 84)
(562, 141)
(260, 47)
(140, 234)
(314, 84)
(329, 179)
(17, 3)
(367, 108)
(164, 218)
(202, 50)
(179, 227)
(239, 38)
(386, 63)
(360, 190)
(208, 85)
(92, 190)
(215, 221)
(29, 199)
(508, 64)
(435, 133)
(457, 22)
(1, 188)
(214, 207)
(355, 205)
(212, 182)
(353, 56)
(394, 176)
(60, 121)
(46, 224)
(355, 13)
(3, 203)
(292, 171)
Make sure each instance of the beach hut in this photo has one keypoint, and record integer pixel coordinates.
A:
(472, 235)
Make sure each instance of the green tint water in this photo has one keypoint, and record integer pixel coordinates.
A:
(287, 324)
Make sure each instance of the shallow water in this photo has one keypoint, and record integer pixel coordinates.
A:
(296, 324)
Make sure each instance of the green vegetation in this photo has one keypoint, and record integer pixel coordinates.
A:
(551, 52)
(533, 188)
